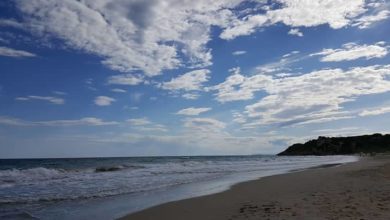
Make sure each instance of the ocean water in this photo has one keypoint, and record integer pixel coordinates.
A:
(108, 188)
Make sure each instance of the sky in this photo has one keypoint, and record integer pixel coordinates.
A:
(92, 78)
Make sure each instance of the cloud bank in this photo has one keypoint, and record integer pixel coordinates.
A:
(152, 36)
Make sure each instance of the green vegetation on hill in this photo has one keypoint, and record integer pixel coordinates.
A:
(376, 143)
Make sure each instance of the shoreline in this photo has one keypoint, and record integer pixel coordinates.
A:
(212, 175)
(318, 192)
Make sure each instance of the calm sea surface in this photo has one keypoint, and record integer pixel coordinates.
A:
(107, 188)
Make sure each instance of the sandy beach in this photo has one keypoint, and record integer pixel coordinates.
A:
(359, 190)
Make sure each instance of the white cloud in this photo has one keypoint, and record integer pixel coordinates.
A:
(118, 90)
(89, 81)
(3, 40)
(204, 142)
(145, 125)
(238, 87)
(104, 100)
(295, 13)
(9, 52)
(375, 111)
(344, 131)
(290, 54)
(131, 107)
(53, 100)
(353, 51)
(60, 93)
(314, 97)
(152, 36)
(125, 79)
(368, 20)
(238, 117)
(296, 32)
(192, 111)
(299, 13)
(79, 122)
(317, 96)
(132, 35)
(239, 52)
(136, 96)
(204, 125)
(243, 27)
(189, 81)
(190, 96)
(139, 121)
(211, 135)
(153, 128)
(283, 64)
(90, 84)
(282, 75)
(11, 23)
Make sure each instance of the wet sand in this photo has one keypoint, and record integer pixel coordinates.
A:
(359, 190)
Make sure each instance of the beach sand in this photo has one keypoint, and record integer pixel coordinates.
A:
(359, 190)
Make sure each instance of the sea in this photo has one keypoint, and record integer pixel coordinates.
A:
(109, 188)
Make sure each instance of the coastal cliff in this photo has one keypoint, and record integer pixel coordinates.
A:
(376, 143)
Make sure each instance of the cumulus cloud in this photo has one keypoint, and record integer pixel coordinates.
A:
(334, 13)
(90, 121)
(296, 32)
(52, 100)
(132, 35)
(243, 27)
(238, 87)
(353, 51)
(104, 100)
(295, 13)
(152, 36)
(317, 96)
(192, 111)
(9, 52)
(125, 79)
(189, 81)
(314, 97)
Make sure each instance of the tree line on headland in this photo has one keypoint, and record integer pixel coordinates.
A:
(364, 144)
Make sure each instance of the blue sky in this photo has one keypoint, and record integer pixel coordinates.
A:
(139, 78)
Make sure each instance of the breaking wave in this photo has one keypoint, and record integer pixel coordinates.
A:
(95, 178)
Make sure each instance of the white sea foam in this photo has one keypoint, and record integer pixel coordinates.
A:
(29, 175)
(42, 184)
(48, 184)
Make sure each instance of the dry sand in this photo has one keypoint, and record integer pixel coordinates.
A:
(359, 190)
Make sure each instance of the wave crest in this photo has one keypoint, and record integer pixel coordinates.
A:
(32, 174)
